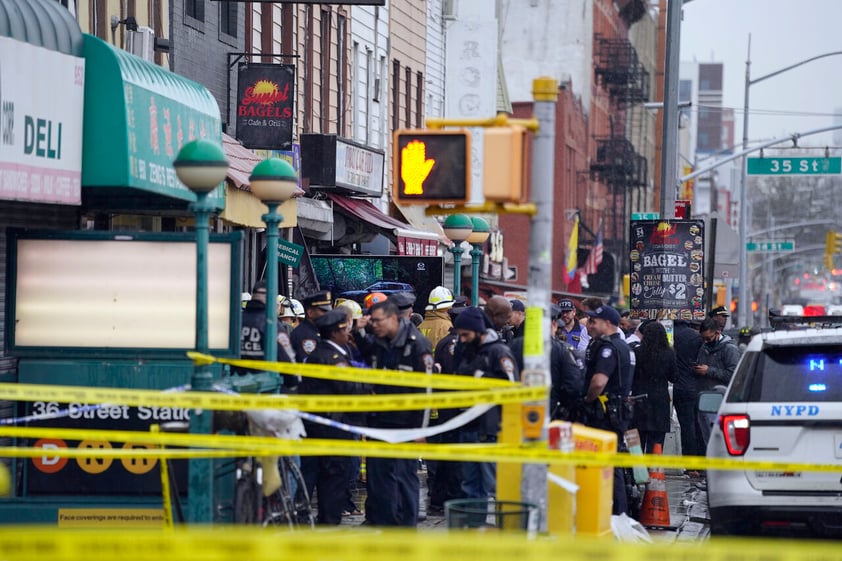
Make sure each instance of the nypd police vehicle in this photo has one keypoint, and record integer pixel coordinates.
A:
(783, 404)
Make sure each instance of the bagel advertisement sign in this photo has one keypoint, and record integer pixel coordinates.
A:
(667, 273)
(265, 96)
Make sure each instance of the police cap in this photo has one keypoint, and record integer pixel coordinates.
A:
(334, 319)
(321, 300)
(403, 300)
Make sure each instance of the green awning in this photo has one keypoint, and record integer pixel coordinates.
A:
(45, 23)
(137, 117)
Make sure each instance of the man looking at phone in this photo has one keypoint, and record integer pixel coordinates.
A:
(715, 364)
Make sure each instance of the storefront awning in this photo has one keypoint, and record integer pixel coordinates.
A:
(241, 207)
(408, 240)
(137, 117)
(44, 23)
(420, 221)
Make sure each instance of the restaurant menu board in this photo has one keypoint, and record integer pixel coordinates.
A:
(667, 269)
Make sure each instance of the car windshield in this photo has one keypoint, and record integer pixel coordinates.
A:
(793, 374)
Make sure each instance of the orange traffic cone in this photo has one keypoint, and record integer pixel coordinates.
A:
(655, 512)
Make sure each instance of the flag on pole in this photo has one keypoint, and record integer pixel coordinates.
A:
(573, 250)
(595, 256)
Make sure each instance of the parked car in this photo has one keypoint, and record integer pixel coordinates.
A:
(386, 287)
(783, 404)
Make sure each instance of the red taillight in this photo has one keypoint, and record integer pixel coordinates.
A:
(735, 429)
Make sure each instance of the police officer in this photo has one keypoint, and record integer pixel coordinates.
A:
(571, 330)
(253, 333)
(392, 484)
(329, 474)
(486, 355)
(404, 301)
(608, 384)
(566, 378)
(306, 335)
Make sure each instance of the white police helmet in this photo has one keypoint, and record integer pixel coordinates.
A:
(245, 298)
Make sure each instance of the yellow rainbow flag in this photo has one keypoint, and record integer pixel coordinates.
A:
(573, 250)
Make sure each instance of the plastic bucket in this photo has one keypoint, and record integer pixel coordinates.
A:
(488, 514)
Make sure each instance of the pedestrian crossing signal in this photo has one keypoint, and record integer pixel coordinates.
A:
(431, 167)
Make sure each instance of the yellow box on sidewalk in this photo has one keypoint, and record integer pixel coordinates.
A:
(596, 484)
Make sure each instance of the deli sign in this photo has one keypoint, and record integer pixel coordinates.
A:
(265, 96)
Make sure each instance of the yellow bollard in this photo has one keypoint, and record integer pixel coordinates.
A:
(561, 503)
(509, 474)
(596, 484)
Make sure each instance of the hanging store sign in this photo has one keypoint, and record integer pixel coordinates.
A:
(265, 96)
(667, 269)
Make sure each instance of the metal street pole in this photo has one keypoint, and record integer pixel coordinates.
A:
(271, 219)
(669, 134)
(744, 303)
(201, 166)
(457, 268)
(536, 354)
(200, 470)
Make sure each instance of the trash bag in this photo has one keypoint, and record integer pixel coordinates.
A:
(627, 529)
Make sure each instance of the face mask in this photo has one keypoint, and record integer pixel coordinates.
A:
(712, 344)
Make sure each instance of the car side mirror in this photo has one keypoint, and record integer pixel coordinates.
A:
(709, 401)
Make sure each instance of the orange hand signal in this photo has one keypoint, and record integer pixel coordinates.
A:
(415, 167)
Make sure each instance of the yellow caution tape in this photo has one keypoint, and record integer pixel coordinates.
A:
(233, 543)
(226, 402)
(364, 375)
(231, 445)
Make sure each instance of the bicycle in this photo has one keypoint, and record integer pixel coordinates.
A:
(273, 495)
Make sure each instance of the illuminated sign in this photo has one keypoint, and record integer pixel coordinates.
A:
(431, 167)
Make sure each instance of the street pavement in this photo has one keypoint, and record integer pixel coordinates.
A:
(687, 506)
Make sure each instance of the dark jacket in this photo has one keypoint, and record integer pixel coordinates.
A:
(304, 339)
(492, 359)
(687, 342)
(326, 353)
(652, 375)
(409, 351)
(566, 379)
(721, 359)
(252, 343)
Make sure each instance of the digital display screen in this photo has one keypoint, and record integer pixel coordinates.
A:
(355, 276)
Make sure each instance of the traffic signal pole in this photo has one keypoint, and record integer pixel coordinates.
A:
(527, 423)
(536, 348)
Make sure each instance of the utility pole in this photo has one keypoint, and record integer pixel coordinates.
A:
(669, 163)
(536, 358)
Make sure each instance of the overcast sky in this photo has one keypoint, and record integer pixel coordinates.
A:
(783, 32)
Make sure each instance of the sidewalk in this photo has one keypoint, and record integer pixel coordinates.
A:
(687, 504)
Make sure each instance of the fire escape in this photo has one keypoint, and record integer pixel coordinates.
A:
(617, 164)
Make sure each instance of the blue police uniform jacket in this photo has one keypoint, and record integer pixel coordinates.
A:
(492, 359)
(329, 354)
(252, 335)
(603, 356)
(304, 339)
(408, 351)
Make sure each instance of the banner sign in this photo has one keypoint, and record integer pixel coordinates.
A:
(667, 261)
(289, 253)
(265, 96)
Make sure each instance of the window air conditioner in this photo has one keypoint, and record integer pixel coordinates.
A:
(141, 43)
